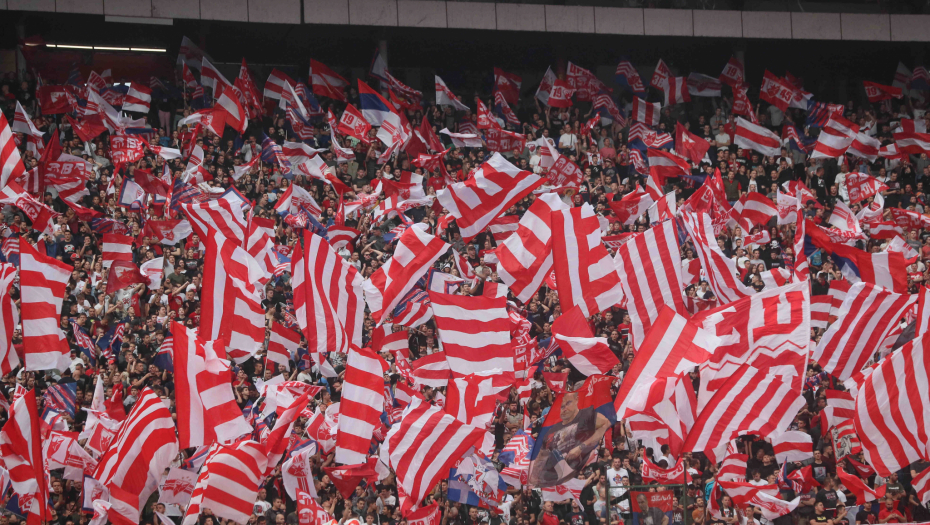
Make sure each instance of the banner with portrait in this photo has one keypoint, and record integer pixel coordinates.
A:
(572, 432)
(652, 508)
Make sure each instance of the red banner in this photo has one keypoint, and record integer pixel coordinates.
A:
(500, 140)
(565, 173)
(125, 149)
(428, 515)
(672, 476)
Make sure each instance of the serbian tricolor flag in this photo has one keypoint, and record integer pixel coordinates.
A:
(374, 107)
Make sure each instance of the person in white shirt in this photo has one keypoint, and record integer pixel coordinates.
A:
(722, 138)
(615, 475)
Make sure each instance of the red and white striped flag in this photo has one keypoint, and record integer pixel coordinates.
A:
(116, 248)
(820, 311)
(361, 406)
(753, 209)
(9, 319)
(733, 467)
(503, 227)
(835, 138)
(11, 164)
(865, 147)
(473, 398)
(672, 346)
(206, 405)
(721, 270)
(43, 282)
(869, 313)
(21, 450)
(283, 344)
(583, 267)
(756, 138)
(841, 407)
(327, 83)
(416, 251)
(423, 447)
(649, 267)
(229, 110)
(525, 258)
(792, 445)
(646, 112)
(733, 73)
(921, 485)
(431, 370)
(890, 408)
(912, 143)
(229, 482)
(144, 447)
(327, 297)
(231, 307)
(223, 215)
(631, 206)
(676, 91)
(277, 84)
(475, 332)
(665, 165)
(769, 330)
(749, 402)
(588, 354)
(138, 98)
(491, 190)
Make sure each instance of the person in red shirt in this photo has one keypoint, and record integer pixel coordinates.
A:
(889, 514)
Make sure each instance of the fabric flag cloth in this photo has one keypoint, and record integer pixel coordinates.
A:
(860, 490)
(9, 319)
(231, 307)
(490, 191)
(206, 404)
(445, 97)
(664, 165)
(757, 138)
(475, 332)
(769, 330)
(750, 401)
(733, 73)
(868, 315)
(877, 92)
(43, 283)
(138, 98)
(526, 256)
(374, 107)
(327, 297)
(646, 112)
(229, 482)
(690, 145)
(327, 83)
(11, 163)
(890, 408)
(415, 253)
(581, 263)
(672, 346)
(588, 354)
(116, 248)
(423, 446)
(632, 206)
(649, 267)
(21, 453)
(835, 138)
(720, 269)
(570, 435)
(792, 445)
(283, 344)
(144, 447)
(361, 406)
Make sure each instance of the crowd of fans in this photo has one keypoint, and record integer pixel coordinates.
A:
(609, 173)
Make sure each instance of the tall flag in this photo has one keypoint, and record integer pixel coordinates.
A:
(508, 85)
(11, 164)
(628, 77)
(361, 406)
(9, 319)
(475, 332)
(327, 297)
(144, 447)
(43, 281)
(206, 406)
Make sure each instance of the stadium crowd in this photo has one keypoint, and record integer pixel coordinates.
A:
(132, 360)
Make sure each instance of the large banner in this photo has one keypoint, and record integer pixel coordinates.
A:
(652, 508)
(570, 435)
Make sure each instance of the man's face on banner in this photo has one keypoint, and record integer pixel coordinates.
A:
(569, 408)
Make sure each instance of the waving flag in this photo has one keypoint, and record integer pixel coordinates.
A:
(493, 188)
(374, 107)
(646, 112)
(757, 138)
(508, 84)
(628, 77)
(419, 467)
(43, 283)
(21, 449)
(733, 73)
(326, 82)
